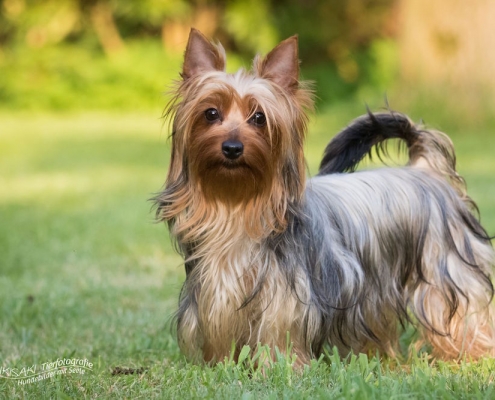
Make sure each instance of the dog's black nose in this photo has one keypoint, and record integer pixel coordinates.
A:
(232, 149)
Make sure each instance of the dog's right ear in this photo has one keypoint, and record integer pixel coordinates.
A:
(201, 56)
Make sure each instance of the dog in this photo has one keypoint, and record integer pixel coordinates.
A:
(344, 259)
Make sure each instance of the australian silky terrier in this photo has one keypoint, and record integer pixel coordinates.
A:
(341, 259)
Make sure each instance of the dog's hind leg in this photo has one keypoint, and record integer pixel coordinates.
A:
(452, 301)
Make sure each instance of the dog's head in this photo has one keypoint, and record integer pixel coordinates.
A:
(238, 138)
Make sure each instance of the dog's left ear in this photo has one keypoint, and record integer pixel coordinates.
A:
(281, 65)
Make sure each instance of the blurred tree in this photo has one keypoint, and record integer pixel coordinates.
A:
(328, 29)
(340, 41)
(335, 30)
(151, 18)
(36, 22)
(101, 14)
(9, 11)
(452, 47)
(251, 25)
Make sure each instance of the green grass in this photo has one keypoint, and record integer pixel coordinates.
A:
(85, 273)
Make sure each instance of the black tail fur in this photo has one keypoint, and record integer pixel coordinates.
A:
(352, 144)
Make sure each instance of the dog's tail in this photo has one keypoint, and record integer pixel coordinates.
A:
(427, 148)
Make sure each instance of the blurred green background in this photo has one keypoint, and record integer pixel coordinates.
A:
(120, 55)
(100, 60)
(84, 272)
(104, 54)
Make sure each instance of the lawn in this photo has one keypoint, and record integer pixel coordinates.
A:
(86, 274)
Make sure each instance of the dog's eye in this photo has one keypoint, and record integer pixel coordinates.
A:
(212, 114)
(258, 119)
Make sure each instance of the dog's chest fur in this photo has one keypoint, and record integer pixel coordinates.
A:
(239, 290)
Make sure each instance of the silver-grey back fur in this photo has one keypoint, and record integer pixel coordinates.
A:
(388, 246)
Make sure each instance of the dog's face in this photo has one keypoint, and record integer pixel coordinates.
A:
(230, 149)
(239, 136)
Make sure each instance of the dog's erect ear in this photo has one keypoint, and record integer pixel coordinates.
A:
(281, 65)
(201, 56)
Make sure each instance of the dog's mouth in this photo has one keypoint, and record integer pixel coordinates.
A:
(226, 164)
(221, 165)
(233, 164)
